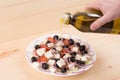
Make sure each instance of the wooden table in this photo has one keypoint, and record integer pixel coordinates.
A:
(22, 21)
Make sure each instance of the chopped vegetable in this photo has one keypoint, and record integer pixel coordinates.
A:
(51, 39)
(42, 59)
(60, 54)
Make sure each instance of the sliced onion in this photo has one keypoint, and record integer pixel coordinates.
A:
(71, 65)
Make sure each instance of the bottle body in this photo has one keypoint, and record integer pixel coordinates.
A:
(83, 20)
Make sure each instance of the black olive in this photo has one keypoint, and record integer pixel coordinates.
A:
(55, 59)
(80, 62)
(63, 39)
(33, 59)
(37, 46)
(71, 59)
(60, 39)
(65, 46)
(71, 41)
(84, 52)
(82, 47)
(63, 70)
(68, 59)
(56, 37)
(48, 42)
(78, 44)
(73, 54)
(45, 66)
(57, 66)
(54, 48)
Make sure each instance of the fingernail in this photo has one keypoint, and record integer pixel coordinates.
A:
(93, 27)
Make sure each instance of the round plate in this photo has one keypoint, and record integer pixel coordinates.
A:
(30, 49)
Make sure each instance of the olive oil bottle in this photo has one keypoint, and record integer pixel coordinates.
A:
(83, 20)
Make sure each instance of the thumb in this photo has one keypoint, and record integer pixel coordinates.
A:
(101, 21)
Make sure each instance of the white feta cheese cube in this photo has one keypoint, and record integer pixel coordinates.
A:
(35, 64)
(41, 51)
(78, 56)
(52, 69)
(86, 44)
(61, 63)
(75, 49)
(66, 55)
(49, 54)
(58, 48)
(57, 56)
(50, 45)
(51, 62)
(83, 58)
(59, 43)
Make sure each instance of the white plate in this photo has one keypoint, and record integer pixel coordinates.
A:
(30, 48)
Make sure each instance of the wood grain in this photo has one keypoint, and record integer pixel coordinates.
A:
(22, 18)
(15, 66)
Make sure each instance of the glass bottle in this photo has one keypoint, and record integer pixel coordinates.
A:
(83, 20)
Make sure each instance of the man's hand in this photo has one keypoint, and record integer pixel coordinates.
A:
(110, 10)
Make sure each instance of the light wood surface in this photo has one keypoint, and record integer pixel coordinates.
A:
(22, 18)
(22, 21)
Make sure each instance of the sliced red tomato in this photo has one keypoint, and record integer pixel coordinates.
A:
(44, 46)
(64, 51)
(70, 47)
(62, 55)
(66, 42)
(42, 59)
(35, 53)
(51, 39)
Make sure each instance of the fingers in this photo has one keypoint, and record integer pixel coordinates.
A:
(101, 21)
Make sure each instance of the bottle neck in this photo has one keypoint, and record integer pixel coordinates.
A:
(66, 19)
